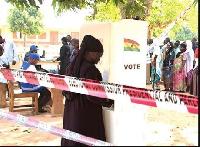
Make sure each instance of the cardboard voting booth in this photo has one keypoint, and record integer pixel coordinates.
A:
(123, 62)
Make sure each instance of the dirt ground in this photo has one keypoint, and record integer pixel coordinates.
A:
(164, 128)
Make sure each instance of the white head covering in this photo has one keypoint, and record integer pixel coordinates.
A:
(190, 56)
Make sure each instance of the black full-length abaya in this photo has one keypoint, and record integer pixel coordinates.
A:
(84, 113)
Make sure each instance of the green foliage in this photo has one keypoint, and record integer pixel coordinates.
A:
(28, 21)
(163, 13)
(105, 12)
(60, 5)
(185, 33)
(22, 4)
(133, 8)
(116, 10)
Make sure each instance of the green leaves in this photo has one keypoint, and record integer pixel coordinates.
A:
(22, 4)
(163, 13)
(158, 13)
(105, 12)
(185, 33)
(28, 21)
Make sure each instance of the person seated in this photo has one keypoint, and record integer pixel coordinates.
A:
(45, 94)
(33, 49)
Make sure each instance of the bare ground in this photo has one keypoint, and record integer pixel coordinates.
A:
(164, 128)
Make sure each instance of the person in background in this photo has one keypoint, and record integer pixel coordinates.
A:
(196, 56)
(148, 61)
(168, 59)
(83, 113)
(193, 89)
(176, 48)
(179, 70)
(9, 49)
(33, 49)
(75, 44)
(69, 42)
(156, 65)
(45, 94)
(64, 56)
(177, 41)
(196, 53)
(194, 44)
(150, 49)
(3, 60)
(165, 44)
(190, 61)
(193, 85)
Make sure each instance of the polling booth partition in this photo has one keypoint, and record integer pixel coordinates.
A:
(123, 62)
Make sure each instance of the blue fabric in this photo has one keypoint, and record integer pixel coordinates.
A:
(25, 56)
(33, 47)
(34, 56)
(25, 65)
(26, 87)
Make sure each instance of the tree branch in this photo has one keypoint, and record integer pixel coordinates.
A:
(161, 26)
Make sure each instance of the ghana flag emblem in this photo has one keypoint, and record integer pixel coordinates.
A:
(131, 45)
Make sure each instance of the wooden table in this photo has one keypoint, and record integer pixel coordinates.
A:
(3, 103)
(49, 63)
(56, 103)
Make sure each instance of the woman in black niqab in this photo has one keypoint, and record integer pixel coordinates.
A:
(83, 113)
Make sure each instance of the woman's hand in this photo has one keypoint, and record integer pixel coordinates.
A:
(109, 103)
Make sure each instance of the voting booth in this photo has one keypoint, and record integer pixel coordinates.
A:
(123, 62)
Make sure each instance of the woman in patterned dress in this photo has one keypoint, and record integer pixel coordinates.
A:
(179, 75)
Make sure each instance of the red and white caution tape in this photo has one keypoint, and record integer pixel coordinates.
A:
(160, 99)
(161, 37)
(28, 122)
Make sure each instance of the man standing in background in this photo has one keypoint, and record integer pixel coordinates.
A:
(165, 44)
(9, 50)
(194, 44)
(69, 42)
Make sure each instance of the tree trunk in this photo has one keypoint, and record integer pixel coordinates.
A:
(149, 35)
(147, 13)
(25, 42)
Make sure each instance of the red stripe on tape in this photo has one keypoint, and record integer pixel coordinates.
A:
(191, 102)
(192, 110)
(140, 96)
(94, 88)
(7, 74)
(59, 82)
(30, 77)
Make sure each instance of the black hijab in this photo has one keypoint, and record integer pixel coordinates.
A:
(90, 44)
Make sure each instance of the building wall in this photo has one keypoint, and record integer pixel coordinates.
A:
(50, 36)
